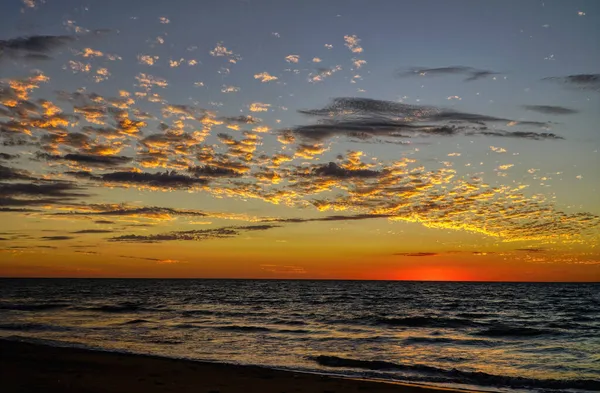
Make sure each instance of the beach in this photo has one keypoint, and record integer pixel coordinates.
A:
(26, 367)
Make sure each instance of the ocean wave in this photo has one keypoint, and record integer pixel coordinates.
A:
(244, 328)
(514, 331)
(33, 307)
(293, 322)
(457, 376)
(435, 322)
(33, 327)
(135, 322)
(187, 326)
(197, 312)
(117, 308)
(165, 341)
(261, 329)
(446, 340)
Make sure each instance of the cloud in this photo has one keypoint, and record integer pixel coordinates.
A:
(147, 212)
(471, 73)
(6, 156)
(364, 118)
(265, 77)
(7, 173)
(550, 109)
(89, 159)
(353, 43)
(57, 189)
(356, 217)
(39, 193)
(57, 237)
(530, 249)
(333, 170)
(241, 119)
(37, 46)
(166, 180)
(93, 231)
(581, 81)
(210, 171)
(417, 254)
(195, 235)
(16, 210)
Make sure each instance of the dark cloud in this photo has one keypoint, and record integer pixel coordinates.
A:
(159, 180)
(364, 118)
(368, 106)
(15, 210)
(359, 128)
(6, 156)
(356, 217)
(211, 171)
(57, 189)
(94, 231)
(196, 235)
(241, 119)
(36, 194)
(37, 46)
(7, 173)
(28, 202)
(103, 222)
(550, 109)
(37, 57)
(417, 254)
(517, 134)
(477, 119)
(166, 180)
(150, 211)
(470, 73)
(57, 237)
(581, 81)
(334, 170)
(88, 159)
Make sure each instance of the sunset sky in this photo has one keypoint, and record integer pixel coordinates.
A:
(409, 140)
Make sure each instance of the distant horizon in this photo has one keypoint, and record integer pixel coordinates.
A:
(294, 279)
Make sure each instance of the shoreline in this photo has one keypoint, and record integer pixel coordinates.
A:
(33, 367)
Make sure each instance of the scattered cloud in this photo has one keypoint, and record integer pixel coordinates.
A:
(159, 180)
(550, 109)
(292, 58)
(36, 46)
(89, 159)
(265, 77)
(364, 118)
(334, 170)
(470, 73)
(194, 235)
(580, 81)
(55, 238)
(353, 43)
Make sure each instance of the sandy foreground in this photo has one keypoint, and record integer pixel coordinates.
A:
(28, 367)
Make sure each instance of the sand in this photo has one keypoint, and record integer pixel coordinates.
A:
(28, 367)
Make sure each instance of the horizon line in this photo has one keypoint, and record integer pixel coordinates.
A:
(296, 279)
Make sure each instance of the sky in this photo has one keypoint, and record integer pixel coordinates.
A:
(392, 140)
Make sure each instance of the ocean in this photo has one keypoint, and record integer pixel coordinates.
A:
(509, 337)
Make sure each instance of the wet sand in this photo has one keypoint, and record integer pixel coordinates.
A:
(28, 367)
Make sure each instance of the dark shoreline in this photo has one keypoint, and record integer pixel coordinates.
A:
(27, 367)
